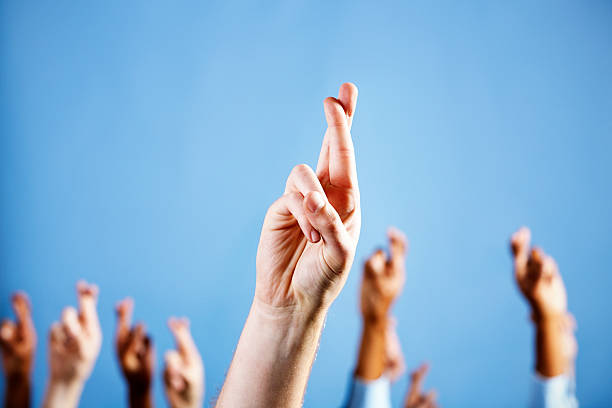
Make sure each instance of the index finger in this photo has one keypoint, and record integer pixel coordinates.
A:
(23, 310)
(342, 167)
(347, 95)
(398, 245)
(182, 335)
(124, 311)
(519, 244)
(88, 298)
(416, 384)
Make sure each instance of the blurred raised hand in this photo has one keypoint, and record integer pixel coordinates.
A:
(18, 343)
(416, 397)
(184, 370)
(136, 356)
(384, 277)
(74, 345)
(305, 253)
(382, 282)
(537, 276)
(538, 279)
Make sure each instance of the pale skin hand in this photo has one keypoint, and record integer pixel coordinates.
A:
(538, 278)
(184, 371)
(395, 363)
(309, 235)
(305, 252)
(383, 280)
(570, 346)
(415, 398)
(136, 356)
(74, 345)
(18, 343)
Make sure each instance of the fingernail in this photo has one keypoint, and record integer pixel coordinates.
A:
(316, 202)
(315, 236)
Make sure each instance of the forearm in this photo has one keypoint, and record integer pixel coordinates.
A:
(17, 391)
(273, 359)
(372, 357)
(550, 358)
(140, 397)
(63, 394)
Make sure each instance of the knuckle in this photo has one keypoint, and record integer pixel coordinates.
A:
(301, 169)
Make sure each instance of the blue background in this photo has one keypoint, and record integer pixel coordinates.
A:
(141, 145)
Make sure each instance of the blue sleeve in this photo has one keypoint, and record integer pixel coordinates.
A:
(554, 392)
(370, 394)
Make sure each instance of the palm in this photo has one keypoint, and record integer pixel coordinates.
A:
(284, 252)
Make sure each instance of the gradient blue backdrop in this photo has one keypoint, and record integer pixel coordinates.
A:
(141, 145)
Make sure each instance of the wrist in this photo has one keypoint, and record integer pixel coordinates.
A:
(63, 393)
(547, 319)
(18, 377)
(140, 396)
(286, 321)
(66, 384)
(375, 319)
(550, 360)
(372, 356)
(542, 312)
(279, 344)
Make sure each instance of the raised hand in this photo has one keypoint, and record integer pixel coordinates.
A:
(184, 371)
(136, 356)
(415, 398)
(537, 276)
(383, 278)
(18, 343)
(74, 345)
(309, 235)
(305, 252)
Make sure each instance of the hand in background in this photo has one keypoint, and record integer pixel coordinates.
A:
(136, 356)
(74, 345)
(415, 398)
(383, 279)
(184, 371)
(309, 235)
(538, 278)
(18, 343)
(382, 282)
